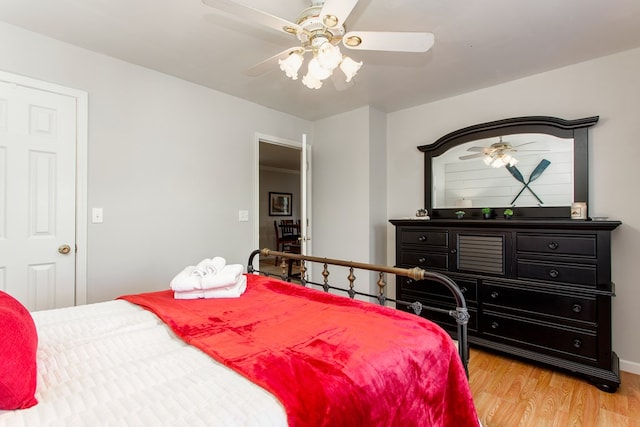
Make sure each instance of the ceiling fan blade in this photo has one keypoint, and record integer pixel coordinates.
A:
(482, 149)
(388, 41)
(254, 15)
(269, 63)
(335, 12)
(526, 143)
(471, 156)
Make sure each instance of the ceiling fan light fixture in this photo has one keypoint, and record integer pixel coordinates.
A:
(350, 67)
(319, 29)
(291, 64)
(496, 159)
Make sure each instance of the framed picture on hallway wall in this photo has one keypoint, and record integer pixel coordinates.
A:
(280, 204)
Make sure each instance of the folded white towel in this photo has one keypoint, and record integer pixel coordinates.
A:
(232, 291)
(226, 277)
(195, 278)
(188, 279)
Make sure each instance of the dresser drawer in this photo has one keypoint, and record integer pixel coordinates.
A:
(542, 337)
(534, 301)
(425, 260)
(468, 288)
(425, 237)
(561, 244)
(585, 275)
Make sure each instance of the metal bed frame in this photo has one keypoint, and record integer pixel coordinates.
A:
(460, 314)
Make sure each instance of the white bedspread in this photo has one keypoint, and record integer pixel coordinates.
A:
(116, 364)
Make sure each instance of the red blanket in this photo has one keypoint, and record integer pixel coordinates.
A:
(331, 361)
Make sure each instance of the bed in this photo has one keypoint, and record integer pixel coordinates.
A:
(281, 354)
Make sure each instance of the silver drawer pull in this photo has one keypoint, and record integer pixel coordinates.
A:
(408, 281)
(422, 238)
(422, 260)
(554, 273)
(464, 290)
(553, 245)
(577, 343)
(494, 325)
(577, 308)
(495, 294)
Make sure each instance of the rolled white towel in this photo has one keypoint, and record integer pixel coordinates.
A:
(212, 265)
(187, 280)
(228, 276)
(232, 291)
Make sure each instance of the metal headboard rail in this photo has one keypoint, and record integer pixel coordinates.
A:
(460, 314)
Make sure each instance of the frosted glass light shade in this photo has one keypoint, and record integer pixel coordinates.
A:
(350, 67)
(291, 65)
(311, 82)
(317, 70)
(329, 56)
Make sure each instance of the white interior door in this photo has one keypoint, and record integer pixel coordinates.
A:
(37, 196)
(305, 198)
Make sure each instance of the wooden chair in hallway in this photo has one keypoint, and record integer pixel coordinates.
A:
(287, 234)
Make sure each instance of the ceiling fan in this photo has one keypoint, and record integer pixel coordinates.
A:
(319, 29)
(497, 154)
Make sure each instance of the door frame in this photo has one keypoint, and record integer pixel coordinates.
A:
(269, 139)
(82, 138)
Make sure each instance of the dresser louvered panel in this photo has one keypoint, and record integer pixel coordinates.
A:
(536, 289)
(480, 253)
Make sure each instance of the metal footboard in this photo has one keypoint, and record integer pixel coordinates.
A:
(460, 314)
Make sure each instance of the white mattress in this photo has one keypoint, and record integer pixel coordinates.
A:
(116, 364)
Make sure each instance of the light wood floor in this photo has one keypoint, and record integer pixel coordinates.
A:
(512, 393)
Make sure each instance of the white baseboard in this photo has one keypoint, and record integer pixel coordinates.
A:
(631, 367)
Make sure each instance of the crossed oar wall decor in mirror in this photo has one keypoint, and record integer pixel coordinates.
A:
(515, 172)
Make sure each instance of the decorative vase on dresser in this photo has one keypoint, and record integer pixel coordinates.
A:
(538, 285)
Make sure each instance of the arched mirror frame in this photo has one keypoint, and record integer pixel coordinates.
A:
(576, 129)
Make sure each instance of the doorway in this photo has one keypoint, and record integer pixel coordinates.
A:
(279, 171)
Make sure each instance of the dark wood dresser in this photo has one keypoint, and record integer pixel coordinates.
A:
(536, 289)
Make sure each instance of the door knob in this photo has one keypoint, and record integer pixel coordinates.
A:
(64, 249)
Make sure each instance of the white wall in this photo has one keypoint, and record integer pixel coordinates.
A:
(349, 179)
(170, 162)
(608, 87)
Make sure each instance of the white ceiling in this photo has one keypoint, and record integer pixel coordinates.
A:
(479, 43)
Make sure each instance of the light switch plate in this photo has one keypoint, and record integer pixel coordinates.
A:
(243, 216)
(97, 216)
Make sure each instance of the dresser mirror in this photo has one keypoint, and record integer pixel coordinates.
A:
(537, 166)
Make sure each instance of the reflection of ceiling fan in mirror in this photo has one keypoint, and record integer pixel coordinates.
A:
(319, 29)
(498, 154)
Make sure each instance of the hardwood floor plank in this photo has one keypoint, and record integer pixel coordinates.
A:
(511, 393)
(631, 388)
